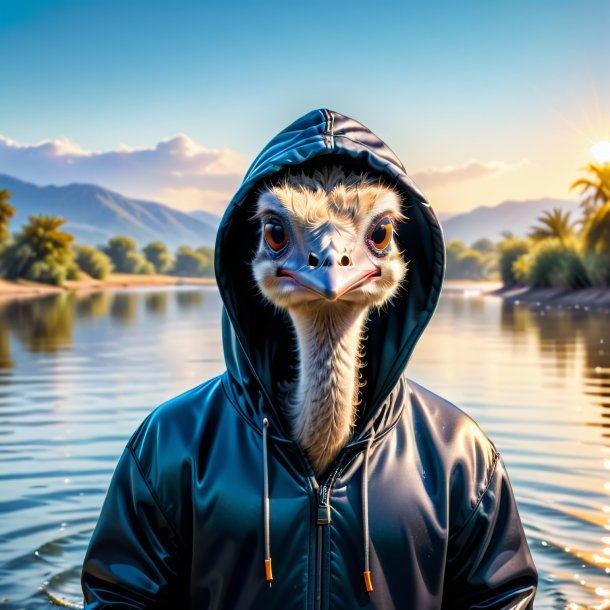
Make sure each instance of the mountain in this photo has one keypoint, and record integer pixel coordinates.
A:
(208, 218)
(95, 214)
(490, 221)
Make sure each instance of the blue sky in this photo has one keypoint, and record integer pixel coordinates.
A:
(521, 88)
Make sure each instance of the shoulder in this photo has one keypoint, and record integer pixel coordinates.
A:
(452, 428)
(166, 444)
(455, 446)
(177, 422)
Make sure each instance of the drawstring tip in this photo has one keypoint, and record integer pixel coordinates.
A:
(368, 583)
(268, 571)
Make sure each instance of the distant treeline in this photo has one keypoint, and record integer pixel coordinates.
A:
(556, 253)
(43, 252)
(559, 253)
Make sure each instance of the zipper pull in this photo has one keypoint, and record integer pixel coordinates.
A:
(323, 516)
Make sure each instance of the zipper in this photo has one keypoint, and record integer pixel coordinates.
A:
(323, 520)
(319, 558)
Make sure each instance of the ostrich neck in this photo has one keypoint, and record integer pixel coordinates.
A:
(323, 406)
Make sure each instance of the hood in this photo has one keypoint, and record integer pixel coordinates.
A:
(258, 340)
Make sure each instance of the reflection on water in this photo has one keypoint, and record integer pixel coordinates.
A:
(79, 372)
(77, 375)
(156, 302)
(536, 379)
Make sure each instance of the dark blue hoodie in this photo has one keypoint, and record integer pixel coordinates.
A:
(205, 491)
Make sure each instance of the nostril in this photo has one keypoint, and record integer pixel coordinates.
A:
(313, 260)
(345, 260)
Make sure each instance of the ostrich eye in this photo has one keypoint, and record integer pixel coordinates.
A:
(382, 234)
(275, 234)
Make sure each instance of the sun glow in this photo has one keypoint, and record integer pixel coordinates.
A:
(601, 151)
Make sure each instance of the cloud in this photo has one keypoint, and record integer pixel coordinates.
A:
(471, 170)
(176, 171)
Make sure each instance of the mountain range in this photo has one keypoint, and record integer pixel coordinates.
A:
(94, 214)
(490, 221)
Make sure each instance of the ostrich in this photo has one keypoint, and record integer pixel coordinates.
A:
(327, 257)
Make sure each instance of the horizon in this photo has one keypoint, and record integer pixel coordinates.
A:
(481, 104)
(442, 215)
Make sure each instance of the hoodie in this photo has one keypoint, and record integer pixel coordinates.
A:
(212, 502)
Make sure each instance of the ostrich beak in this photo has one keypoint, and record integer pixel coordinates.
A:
(332, 281)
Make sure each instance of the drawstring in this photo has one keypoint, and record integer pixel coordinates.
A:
(268, 572)
(368, 583)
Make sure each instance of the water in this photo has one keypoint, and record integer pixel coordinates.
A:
(78, 373)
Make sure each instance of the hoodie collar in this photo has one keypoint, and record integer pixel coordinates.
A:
(257, 338)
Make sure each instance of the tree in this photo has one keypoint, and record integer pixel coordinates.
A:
(189, 263)
(208, 253)
(552, 263)
(510, 249)
(596, 189)
(471, 265)
(464, 263)
(452, 254)
(123, 252)
(93, 261)
(41, 252)
(158, 255)
(483, 245)
(553, 224)
(7, 211)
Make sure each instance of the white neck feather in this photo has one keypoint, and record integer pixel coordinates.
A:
(324, 402)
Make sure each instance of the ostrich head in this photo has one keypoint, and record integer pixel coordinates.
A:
(327, 242)
(327, 255)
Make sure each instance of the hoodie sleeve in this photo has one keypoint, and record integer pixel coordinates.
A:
(489, 563)
(133, 559)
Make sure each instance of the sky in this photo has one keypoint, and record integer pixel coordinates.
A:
(482, 101)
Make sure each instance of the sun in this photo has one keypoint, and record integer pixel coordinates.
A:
(601, 151)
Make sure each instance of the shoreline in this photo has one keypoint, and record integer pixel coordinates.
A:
(585, 298)
(18, 289)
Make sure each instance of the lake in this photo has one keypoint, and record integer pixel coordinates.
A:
(78, 373)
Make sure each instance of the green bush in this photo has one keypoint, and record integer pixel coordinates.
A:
(123, 252)
(452, 254)
(208, 253)
(93, 261)
(552, 263)
(7, 211)
(509, 250)
(137, 263)
(47, 272)
(40, 252)
(467, 263)
(597, 265)
(483, 245)
(159, 256)
(190, 263)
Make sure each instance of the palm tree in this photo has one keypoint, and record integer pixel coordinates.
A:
(7, 211)
(596, 232)
(596, 189)
(553, 224)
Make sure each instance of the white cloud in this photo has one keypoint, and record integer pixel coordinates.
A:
(176, 171)
(471, 170)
